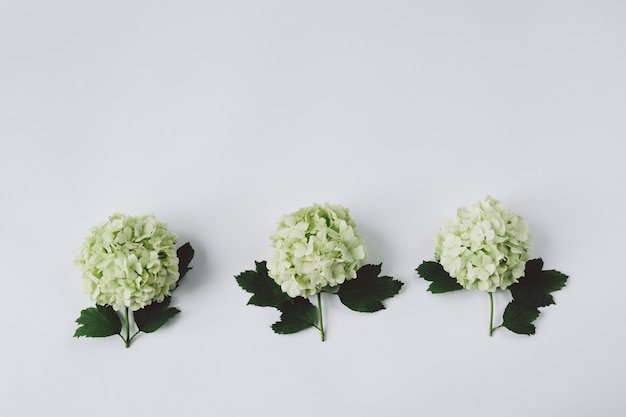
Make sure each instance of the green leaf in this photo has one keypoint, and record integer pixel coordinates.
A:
(297, 314)
(266, 293)
(331, 290)
(366, 292)
(99, 321)
(153, 316)
(185, 255)
(518, 318)
(441, 281)
(534, 288)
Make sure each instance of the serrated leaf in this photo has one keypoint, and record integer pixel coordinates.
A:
(296, 315)
(441, 281)
(185, 255)
(266, 293)
(366, 292)
(153, 316)
(534, 288)
(99, 321)
(518, 318)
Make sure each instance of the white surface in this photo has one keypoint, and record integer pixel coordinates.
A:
(219, 117)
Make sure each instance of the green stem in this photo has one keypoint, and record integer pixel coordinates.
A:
(491, 329)
(133, 336)
(127, 340)
(319, 310)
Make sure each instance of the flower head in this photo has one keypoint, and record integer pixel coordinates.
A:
(485, 246)
(315, 247)
(129, 262)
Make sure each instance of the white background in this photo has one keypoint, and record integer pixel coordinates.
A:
(219, 117)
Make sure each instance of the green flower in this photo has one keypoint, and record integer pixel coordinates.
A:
(129, 262)
(485, 246)
(315, 247)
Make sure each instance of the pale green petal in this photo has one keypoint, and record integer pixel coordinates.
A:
(121, 264)
(473, 245)
(314, 247)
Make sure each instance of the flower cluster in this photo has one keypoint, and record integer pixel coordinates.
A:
(484, 247)
(315, 247)
(129, 262)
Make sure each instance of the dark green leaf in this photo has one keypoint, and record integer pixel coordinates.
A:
(331, 290)
(366, 292)
(518, 318)
(534, 288)
(266, 293)
(99, 321)
(153, 316)
(185, 255)
(297, 314)
(441, 281)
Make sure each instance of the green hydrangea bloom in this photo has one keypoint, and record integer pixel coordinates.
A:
(315, 247)
(485, 246)
(129, 262)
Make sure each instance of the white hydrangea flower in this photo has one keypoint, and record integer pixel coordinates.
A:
(314, 247)
(484, 247)
(129, 262)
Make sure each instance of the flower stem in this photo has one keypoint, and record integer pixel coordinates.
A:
(491, 329)
(319, 311)
(127, 340)
(133, 336)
